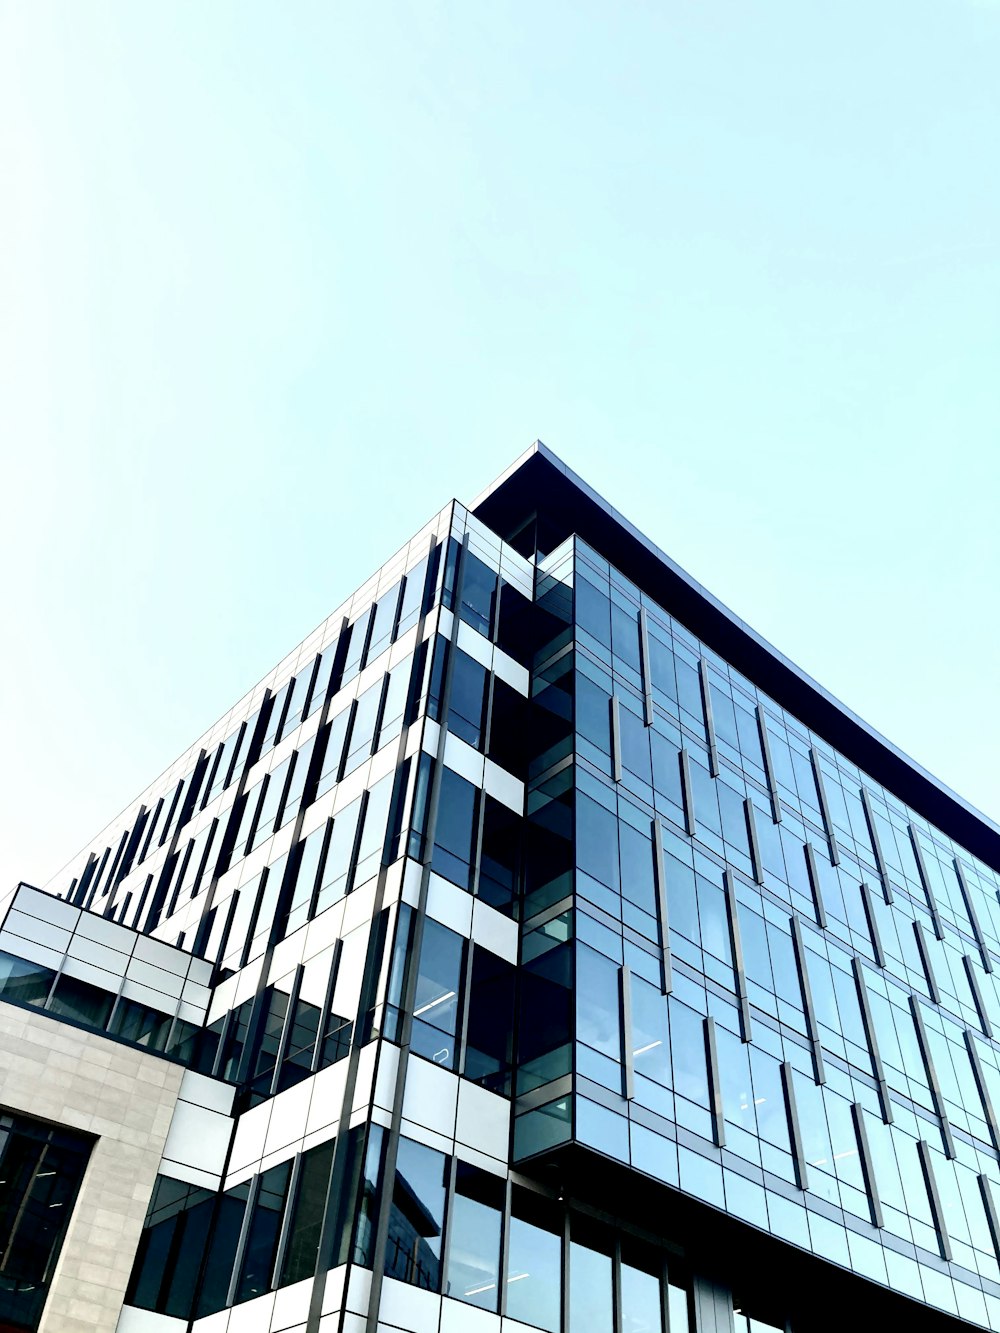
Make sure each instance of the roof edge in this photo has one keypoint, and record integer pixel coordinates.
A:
(575, 507)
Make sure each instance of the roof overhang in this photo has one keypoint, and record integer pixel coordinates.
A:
(538, 484)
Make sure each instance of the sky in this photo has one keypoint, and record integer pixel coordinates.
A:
(278, 281)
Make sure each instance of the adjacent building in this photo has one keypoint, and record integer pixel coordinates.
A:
(534, 948)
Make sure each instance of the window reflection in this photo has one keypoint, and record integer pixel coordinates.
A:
(474, 1237)
(534, 1264)
(416, 1219)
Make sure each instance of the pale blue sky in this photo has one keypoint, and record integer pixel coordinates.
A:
(276, 281)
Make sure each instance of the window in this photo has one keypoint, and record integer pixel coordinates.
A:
(455, 831)
(467, 701)
(416, 1218)
(534, 1263)
(262, 1236)
(590, 1303)
(176, 1228)
(474, 1237)
(640, 1289)
(490, 1027)
(140, 1024)
(479, 587)
(81, 1001)
(362, 737)
(41, 1168)
(500, 857)
(309, 1208)
(24, 982)
(435, 1004)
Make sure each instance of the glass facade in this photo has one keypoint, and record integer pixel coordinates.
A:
(544, 946)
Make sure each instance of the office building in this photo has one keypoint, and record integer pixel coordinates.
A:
(534, 948)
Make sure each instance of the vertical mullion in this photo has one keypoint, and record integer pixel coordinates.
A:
(824, 806)
(647, 674)
(687, 791)
(873, 930)
(983, 1089)
(706, 702)
(867, 1168)
(565, 1272)
(925, 959)
(977, 995)
(714, 1084)
(880, 861)
(927, 1166)
(616, 739)
(989, 1204)
(970, 910)
(662, 908)
(918, 854)
(324, 1018)
(765, 749)
(504, 1249)
(932, 1078)
(751, 821)
(735, 939)
(616, 1283)
(241, 1243)
(381, 1229)
(812, 870)
(794, 1128)
(798, 944)
(452, 1172)
(625, 1027)
(870, 1035)
(286, 1028)
(286, 1218)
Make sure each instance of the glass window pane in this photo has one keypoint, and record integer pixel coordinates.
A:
(640, 1301)
(435, 1006)
(474, 1237)
(262, 1238)
(534, 1270)
(590, 1306)
(307, 1218)
(416, 1219)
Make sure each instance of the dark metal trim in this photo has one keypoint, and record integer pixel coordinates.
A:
(812, 1029)
(824, 807)
(918, 854)
(616, 738)
(714, 1085)
(977, 995)
(751, 820)
(926, 1165)
(647, 674)
(925, 959)
(880, 862)
(706, 704)
(866, 898)
(765, 749)
(409, 990)
(628, 1058)
(662, 907)
(867, 1167)
(970, 909)
(869, 1026)
(989, 1204)
(983, 1088)
(688, 793)
(735, 939)
(812, 870)
(794, 1128)
(932, 1078)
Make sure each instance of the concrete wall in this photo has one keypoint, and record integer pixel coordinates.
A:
(125, 1098)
